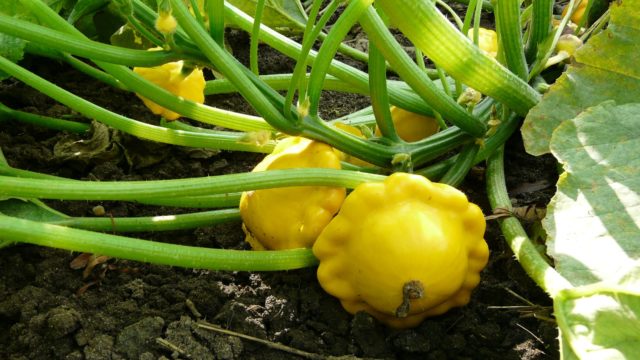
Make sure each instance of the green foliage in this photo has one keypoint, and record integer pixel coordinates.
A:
(592, 220)
(287, 14)
(605, 68)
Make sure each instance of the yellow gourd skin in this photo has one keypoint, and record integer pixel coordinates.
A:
(579, 13)
(291, 217)
(170, 77)
(410, 126)
(403, 250)
(487, 41)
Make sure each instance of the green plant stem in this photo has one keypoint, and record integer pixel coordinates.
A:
(85, 48)
(329, 47)
(418, 80)
(215, 9)
(486, 4)
(298, 78)
(226, 200)
(399, 96)
(41, 50)
(231, 141)
(540, 26)
(379, 96)
(198, 202)
(546, 49)
(502, 134)
(25, 231)
(228, 66)
(524, 250)
(253, 45)
(45, 121)
(151, 91)
(507, 15)
(158, 189)
(151, 223)
(461, 166)
(427, 28)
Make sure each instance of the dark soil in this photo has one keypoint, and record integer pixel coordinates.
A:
(142, 311)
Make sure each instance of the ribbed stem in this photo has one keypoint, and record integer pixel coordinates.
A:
(429, 30)
(158, 189)
(524, 250)
(151, 223)
(507, 15)
(61, 237)
(417, 79)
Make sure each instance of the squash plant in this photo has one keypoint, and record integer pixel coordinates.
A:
(586, 119)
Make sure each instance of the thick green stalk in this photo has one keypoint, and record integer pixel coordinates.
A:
(217, 201)
(227, 65)
(379, 96)
(46, 121)
(417, 79)
(151, 223)
(358, 79)
(463, 163)
(151, 91)
(158, 189)
(298, 79)
(215, 9)
(437, 145)
(507, 15)
(85, 48)
(61, 237)
(429, 30)
(226, 200)
(329, 47)
(231, 141)
(497, 139)
(544, 53)
(524, 250)
(253, 45)
(540, 26)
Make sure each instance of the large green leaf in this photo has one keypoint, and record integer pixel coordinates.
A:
(600, 321)
(593, 223)
(607, 67)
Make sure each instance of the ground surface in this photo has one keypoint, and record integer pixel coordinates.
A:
(47, 312)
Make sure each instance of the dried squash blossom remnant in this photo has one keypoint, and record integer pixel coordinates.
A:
(403, 250)
(487, 41)
(170, 76)
(291, 217)
(411, 126)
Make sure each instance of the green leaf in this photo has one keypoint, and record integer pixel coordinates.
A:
(279, 14)
(605, 68)
(593, 220)
(593, 225)
(30, 209)
(11, 48)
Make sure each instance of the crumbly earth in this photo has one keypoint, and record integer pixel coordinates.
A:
(130, 310)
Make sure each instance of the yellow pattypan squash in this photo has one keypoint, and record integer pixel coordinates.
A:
(170, 77)
(291, 217)
(403, 250)
(411, 126)
(487, 41)
(579, 13)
